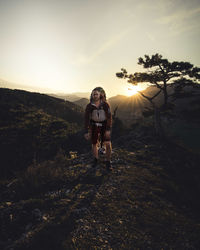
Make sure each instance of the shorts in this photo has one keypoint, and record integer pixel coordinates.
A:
(97, 132)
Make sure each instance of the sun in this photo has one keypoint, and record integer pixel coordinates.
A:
(132, 90)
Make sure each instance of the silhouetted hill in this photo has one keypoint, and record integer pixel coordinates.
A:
(115, 100)
(67, 97)
(71, 97)
(130, 109)
(82, 102)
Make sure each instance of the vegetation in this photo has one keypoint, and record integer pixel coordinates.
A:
(169, 77)
(34, 127)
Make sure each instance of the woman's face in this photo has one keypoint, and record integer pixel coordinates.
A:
(96, 95)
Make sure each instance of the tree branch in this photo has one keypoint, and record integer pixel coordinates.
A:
(156, 94)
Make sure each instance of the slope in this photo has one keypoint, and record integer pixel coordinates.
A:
(33, 127)
(149, 201)
(82, 102)
(50, 105)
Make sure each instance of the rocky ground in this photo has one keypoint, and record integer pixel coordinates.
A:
(148, 201)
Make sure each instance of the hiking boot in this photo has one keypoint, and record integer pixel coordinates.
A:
(108, 165)
(95, 162)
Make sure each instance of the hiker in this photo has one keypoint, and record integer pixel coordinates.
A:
(98, 122)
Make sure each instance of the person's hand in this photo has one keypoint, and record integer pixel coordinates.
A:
(87, 136)
(107, 134)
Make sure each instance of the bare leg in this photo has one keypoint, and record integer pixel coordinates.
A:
(108, 150)
(95, 150)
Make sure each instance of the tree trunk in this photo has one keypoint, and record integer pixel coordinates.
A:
(165, 95)
(157, 122)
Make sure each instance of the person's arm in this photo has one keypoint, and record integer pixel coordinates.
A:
(108, 117)
(87, 118)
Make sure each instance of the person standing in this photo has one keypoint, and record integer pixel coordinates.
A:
(98, 124)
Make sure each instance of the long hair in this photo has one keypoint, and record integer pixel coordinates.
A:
(102, 93)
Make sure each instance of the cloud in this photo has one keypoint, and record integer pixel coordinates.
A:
(179, 16)
(86, 59)
(181, 20)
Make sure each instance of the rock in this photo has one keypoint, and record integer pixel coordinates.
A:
(28, 227)
(37, 214)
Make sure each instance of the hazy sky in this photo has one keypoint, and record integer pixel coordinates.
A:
(76, 45)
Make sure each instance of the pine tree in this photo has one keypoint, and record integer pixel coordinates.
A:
(164, 75)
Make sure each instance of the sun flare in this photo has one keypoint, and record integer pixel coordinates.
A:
(132, 90)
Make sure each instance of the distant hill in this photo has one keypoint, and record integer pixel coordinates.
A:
(82, 102)
(71, 97)
(67, 97)
(130, 109)
(115, 100)
(82, 94)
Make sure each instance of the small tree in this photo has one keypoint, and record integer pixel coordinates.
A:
(162, 74)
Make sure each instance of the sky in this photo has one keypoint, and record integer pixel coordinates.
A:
(65, 46)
